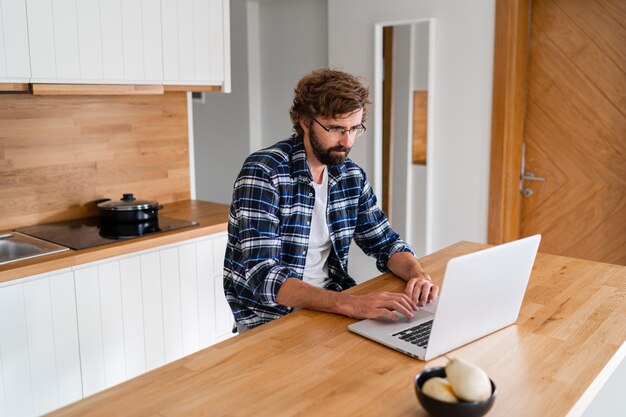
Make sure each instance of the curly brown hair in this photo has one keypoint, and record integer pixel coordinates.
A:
(327, 92)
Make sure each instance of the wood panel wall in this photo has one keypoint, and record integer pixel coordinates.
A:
(59, 154)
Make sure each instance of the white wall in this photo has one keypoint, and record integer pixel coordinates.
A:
(221, 132)
(462, 106)
(293, 41)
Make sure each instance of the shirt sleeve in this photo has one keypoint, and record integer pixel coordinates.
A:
(256, 212)
(373, 233)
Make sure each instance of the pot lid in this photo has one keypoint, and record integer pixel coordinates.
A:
(128, 202)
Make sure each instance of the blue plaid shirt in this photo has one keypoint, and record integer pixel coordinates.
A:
(269, 225)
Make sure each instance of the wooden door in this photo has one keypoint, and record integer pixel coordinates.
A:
(573, 125)
(575, 129)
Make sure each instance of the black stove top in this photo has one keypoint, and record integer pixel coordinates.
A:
(87, 233)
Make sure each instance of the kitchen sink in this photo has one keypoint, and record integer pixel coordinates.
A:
(16, 246)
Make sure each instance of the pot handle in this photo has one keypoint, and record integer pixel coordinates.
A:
(152, 210)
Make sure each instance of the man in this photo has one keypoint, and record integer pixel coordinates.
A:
(297, 206)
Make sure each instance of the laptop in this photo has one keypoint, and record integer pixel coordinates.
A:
(481, 292)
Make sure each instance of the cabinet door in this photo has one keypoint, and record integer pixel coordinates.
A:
(190, 314)
(132, 308)
(195, 45)
(14, 59)
(206, 292)
(90, 328)
(40, 365)
(141, 28)
(172, 317)
(14, 350)
(223, 315)
(91, 41)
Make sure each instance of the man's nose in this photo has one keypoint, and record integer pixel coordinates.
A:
(346, 140)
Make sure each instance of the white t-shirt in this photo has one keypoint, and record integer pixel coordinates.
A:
(316, 266)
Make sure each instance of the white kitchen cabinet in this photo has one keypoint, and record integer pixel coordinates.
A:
(39, 352)
(223, 314)
(164, 306)
(206, 291)
(141, 311)
(132, 307)
(74, 332)
(152, 310)
(14, 59)
(190, 313)
(196, 42)
(90, 41)
(172, 42)
(71, 333)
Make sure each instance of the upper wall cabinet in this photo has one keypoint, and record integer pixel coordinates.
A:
(14, 61)
(181, 42)
(89, 41)
(194, 40)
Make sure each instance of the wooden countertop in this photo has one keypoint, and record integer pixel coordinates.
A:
(568, 338)
(212, 218)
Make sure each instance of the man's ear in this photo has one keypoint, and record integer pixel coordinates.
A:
(304, 124)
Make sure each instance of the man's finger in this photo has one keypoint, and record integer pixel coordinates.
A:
(410, 287)
(424, 296)
(433, 293)
(402, 308)
(415, 291)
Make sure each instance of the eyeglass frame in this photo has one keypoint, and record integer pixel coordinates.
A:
(342, 130)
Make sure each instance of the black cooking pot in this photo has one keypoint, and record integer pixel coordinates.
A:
(119, 230)
(128, 210)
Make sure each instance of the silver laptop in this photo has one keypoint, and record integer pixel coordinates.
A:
(481, 292)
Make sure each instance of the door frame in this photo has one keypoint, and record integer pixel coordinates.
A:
(430, 130)
(510, 74)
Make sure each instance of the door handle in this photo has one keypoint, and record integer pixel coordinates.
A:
(526, 176)
(529, 176)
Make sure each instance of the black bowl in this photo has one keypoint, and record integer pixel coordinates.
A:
(438, 408)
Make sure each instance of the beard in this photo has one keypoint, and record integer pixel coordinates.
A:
(326, 156)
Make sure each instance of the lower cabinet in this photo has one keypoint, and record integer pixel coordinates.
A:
(71, 333)
(39, 348)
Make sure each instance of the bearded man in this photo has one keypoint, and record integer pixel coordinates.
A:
(296, 207)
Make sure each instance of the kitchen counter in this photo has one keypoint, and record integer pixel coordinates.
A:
(568, 339)
(212, 218)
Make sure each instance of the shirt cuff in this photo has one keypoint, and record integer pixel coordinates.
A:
(385, 255)
(274, 279)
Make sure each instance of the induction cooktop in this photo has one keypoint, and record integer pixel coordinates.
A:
(87, 233)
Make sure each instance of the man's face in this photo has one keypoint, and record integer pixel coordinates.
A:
(332, 148)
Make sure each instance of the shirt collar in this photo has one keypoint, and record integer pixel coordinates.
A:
(300, 166)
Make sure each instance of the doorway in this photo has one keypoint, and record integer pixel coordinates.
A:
(403, 94)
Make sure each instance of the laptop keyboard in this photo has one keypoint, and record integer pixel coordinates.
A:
(417, 335)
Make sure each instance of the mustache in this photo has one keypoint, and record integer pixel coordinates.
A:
(339, 149)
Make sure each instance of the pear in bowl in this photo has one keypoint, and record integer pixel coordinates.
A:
(458, 390)
(468, 381)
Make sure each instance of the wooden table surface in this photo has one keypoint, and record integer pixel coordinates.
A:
(569, 336)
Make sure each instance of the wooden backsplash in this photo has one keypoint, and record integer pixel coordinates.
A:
(59, 154)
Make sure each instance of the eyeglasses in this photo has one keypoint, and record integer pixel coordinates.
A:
(357, 130)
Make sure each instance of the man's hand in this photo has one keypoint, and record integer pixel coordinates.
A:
(379, 305)
(419, 286)
(295, 293)
(420, 289)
